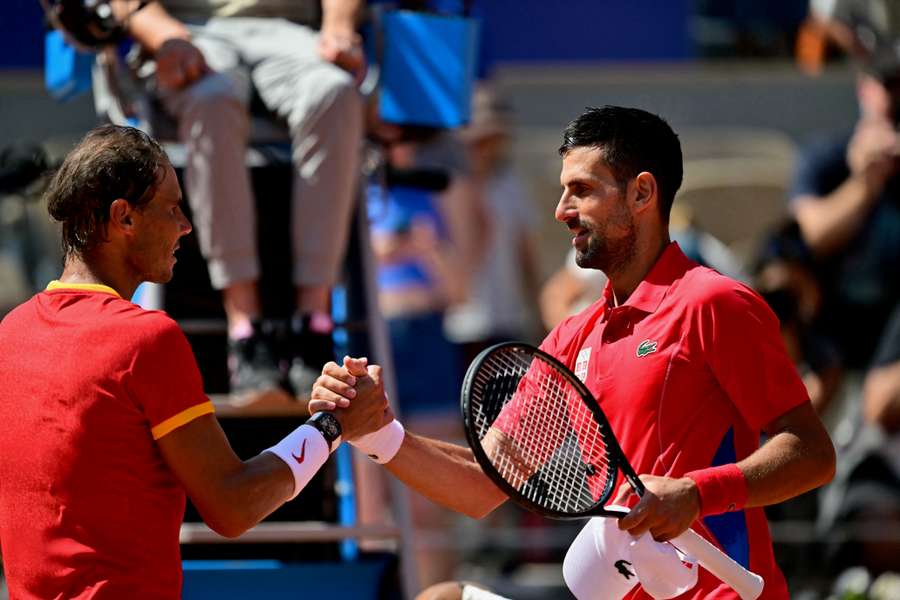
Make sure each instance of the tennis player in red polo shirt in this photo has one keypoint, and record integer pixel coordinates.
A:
(687, 364)
(103, 421)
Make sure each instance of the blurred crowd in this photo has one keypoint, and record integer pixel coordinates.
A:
(454, 233)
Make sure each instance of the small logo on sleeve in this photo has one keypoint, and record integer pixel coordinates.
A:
(646, 347)
(302, 456)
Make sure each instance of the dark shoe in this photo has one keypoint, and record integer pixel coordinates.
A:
(311, 346)
(253, 363)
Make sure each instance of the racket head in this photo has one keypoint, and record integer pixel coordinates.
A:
(551, 394)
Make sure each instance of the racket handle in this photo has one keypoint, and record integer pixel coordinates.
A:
(746, 583)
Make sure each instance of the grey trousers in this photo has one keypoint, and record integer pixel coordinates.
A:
(323, 112)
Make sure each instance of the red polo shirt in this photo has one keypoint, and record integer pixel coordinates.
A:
(688, 371)
(88, 506)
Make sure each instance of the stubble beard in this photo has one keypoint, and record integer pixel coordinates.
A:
(606, 254)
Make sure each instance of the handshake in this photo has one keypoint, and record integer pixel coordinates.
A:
(354, 394)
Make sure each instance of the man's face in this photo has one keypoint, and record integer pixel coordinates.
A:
(160, 224)
(595, 210)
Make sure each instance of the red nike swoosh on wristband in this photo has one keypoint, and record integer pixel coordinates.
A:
(302, 453)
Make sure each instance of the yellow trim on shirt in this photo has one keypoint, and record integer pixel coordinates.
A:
(182, 418)
(88, 287)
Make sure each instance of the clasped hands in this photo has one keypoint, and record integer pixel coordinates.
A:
(354, 392)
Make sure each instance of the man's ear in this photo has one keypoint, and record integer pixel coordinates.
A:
(646, 192)
(121, 215)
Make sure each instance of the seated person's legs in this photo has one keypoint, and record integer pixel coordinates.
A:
(324, 112)
(323, 109)
(213, 123)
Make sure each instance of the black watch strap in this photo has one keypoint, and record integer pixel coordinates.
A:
(328, 426)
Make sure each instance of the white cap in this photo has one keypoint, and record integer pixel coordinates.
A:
(662, 571)
(598, 563)
(606, 562)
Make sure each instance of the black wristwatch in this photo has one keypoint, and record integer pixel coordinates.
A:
(328, 426)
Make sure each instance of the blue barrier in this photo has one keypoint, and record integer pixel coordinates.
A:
(67, 71)
(274, 580)
(427, 68)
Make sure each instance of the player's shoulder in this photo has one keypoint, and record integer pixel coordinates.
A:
(142, 325)
(15, 318)
(704, 287)
(155, 322)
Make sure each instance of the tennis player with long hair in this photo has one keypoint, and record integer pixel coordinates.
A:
(687, 364)
(104, 425)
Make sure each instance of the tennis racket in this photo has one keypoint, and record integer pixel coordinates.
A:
(540, 435)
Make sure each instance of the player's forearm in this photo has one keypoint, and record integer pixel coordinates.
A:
(152, 26)
(247, 495)
(446, 474)
(830, 222)
(794, 460)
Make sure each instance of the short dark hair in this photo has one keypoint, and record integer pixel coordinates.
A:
(110, 162)
(631, 140)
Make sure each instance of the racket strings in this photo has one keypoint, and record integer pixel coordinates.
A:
(553, 451)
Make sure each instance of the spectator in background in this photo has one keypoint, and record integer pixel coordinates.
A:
(422, 271)
(571, 289)
(881, 390)
(500, 305)
(210, 56)
(861, 28)
(867, 512)
(846, 200)
(785, 280)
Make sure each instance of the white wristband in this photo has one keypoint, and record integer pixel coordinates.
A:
(382, 445)
(304, 450)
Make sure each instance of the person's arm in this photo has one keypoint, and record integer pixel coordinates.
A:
(231, 495)
(234, 495)
(168, 40)
(528, 259)
(828, 222)
(340, 15)
(569, 289)
(440, 261)
(445, 473)
(798, 457)
(152, 26)
(338, 41)
(463, 208)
